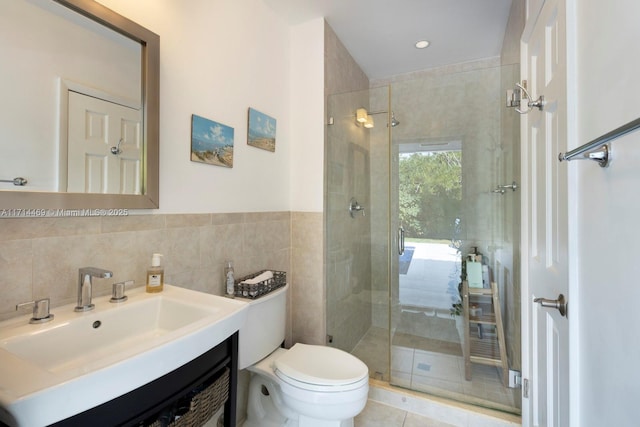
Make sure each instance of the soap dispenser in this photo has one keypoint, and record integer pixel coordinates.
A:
(155, 275)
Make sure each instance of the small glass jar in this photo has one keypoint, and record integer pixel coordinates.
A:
(229, 280)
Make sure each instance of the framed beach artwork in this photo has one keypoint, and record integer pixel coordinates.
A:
(262, 130)
(211, 142)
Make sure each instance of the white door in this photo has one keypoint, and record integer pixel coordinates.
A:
(105, 148)
(545, 216)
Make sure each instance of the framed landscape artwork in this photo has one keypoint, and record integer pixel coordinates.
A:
(211, 142)
(262, 131)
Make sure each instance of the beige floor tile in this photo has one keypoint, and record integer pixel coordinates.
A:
(379, 415)
(413, 420)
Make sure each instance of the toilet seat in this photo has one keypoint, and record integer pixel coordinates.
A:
(321, 368)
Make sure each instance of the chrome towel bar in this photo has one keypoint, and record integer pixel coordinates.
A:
(601, 153)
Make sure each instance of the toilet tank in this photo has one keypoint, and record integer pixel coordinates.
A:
(264, 330)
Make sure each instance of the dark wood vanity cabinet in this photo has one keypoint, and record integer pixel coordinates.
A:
(157, 400)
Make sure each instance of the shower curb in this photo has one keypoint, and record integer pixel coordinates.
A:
(439, 409)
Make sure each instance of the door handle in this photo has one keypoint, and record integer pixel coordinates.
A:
(400, 240)
(560, 304)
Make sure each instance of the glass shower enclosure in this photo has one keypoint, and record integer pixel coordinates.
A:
(357, 241)
(408, 197)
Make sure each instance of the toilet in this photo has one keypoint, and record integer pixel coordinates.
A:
(305, 386)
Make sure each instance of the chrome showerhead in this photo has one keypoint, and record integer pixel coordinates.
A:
(394, 122)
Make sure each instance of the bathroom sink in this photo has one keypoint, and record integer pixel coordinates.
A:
(92, 341)
(77, 361)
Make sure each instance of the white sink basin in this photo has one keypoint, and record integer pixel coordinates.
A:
(90, 341)
(50, 371)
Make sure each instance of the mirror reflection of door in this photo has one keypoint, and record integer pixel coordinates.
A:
(104, 147)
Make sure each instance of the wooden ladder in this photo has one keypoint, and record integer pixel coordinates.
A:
(487, 347)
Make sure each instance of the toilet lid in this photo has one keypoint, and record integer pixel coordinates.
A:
(320, 365)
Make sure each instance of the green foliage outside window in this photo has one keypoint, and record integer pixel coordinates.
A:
(430, 193)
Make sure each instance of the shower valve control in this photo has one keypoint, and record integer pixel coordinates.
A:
(354, 207)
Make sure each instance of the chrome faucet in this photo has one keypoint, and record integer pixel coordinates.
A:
(85, 286)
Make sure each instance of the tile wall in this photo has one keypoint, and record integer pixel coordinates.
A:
(307, 275)
(40, 257)
(347, 247)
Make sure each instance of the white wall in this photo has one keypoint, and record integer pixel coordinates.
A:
(217, 59)
(307, 116)
(607, 214)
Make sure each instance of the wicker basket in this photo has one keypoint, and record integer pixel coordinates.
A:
(261, 288)
(203, 405)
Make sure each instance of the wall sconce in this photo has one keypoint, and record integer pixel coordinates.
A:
(369, 122)
(365, 118)
(361, 115)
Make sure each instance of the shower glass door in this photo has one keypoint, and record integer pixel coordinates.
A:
(431, 172)
(357, 241)
(426, 352)
(453, 148)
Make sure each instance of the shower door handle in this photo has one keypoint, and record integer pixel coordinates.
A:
(400, 241)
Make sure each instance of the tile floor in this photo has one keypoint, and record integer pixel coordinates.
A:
(377, 414)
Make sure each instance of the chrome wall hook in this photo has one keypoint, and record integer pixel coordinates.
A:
(531, 104)
(117, 150)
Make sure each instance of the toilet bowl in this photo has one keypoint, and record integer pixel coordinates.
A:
(307, 385)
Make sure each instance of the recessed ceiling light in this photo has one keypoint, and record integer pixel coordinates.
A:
(421, 44)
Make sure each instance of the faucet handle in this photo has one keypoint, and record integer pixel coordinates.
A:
(41, 312)
(117, 292)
